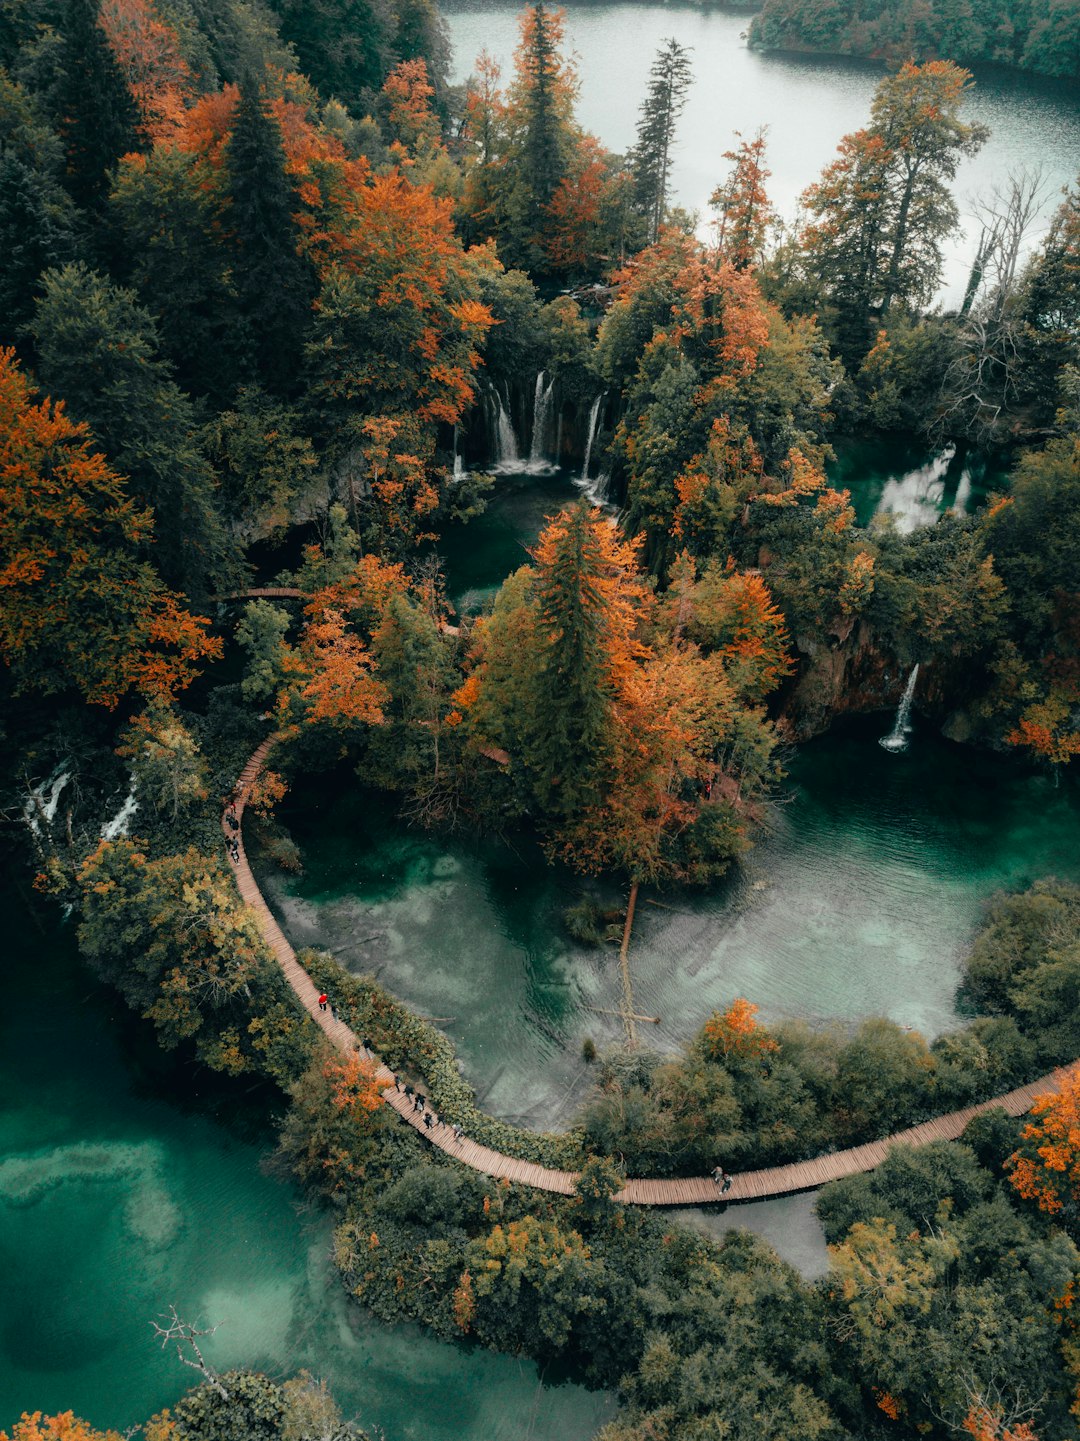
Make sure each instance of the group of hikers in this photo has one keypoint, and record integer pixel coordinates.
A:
(232, 826)
(419, 1104)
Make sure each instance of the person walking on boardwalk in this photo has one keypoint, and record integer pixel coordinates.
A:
(457, 1131)
(322, 1001)
(721, 1178)
(428, 1120)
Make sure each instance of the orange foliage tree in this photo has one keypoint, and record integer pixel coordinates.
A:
(78, 606)
(1046, 1166)
(356, 1086)
(65, 1426)
(148, 53)
(329, 677)
(736, 1032)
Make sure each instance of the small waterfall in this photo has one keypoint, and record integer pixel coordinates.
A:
(542, 400)
(594, 416)
(896, 740)
(506, 450)
(459, 465)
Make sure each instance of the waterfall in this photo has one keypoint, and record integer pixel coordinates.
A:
(506, 451)
(542, 399)
(459, 466)
(896, 740)
(594, 416)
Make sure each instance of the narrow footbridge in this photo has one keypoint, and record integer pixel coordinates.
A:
(691, 1191)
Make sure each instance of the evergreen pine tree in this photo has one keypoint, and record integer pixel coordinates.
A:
(35, 233)
(97, 117)
(583, 636)
(541, 123)
(669, 83)
(274, 285)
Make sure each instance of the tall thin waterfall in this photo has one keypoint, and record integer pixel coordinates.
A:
(542, 400)
(594, 416)
(459, 465)
(896, 740)
(506, 450)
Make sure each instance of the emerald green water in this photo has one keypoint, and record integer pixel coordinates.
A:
(861, 900)
(898, 477)
(128, 1183)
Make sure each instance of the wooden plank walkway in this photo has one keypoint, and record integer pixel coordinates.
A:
(689, 1191)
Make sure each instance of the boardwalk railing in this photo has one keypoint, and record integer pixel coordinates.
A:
(690, 1191)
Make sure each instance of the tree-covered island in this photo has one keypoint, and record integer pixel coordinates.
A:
(280, 309)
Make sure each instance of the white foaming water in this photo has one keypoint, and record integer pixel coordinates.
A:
(897, 739)
(506, 446)
(542, 403)
(594, 415)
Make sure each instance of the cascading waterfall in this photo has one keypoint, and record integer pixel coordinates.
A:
(459, 465)
(506, 450)
(897, 740)
(542, 402)
(594, 416)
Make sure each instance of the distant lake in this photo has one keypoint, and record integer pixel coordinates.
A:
(808, 103)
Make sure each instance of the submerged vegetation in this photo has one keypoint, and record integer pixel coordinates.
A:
(268, 281)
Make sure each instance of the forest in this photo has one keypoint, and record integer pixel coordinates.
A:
(1033, 35)
(269, 284)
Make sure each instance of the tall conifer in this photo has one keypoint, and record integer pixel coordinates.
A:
(669, 83)
(274, 285)
(97, 117)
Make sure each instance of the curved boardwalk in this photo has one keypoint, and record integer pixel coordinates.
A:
(692, 1191)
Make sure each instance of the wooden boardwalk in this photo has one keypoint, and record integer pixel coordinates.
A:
(691, 1191)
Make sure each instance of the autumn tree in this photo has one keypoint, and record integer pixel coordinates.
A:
(79, 604)
(637, 753)
(167, 768)
(665, 99)
(1046, 1168)
(65, 1426)
(882, 208)
(741, 203)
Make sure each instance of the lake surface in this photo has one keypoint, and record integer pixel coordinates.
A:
(129, 1182)
(807, 103)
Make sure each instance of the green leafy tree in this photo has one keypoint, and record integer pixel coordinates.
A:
(167, 768)
(171, 212)
(98, 350)
(173, 937)
(881, 210)
(263, 462)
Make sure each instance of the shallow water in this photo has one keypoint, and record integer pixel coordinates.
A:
(860, 900)
(807, 103)
(129, 1182)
